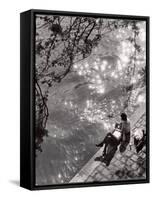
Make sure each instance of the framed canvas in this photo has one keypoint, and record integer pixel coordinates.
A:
(84, 99)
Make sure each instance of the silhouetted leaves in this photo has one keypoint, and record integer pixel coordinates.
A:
(39, 48)
(56, 28)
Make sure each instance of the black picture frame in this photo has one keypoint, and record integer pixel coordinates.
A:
(27, 99)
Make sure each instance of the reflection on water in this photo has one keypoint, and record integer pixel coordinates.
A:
(78, 120)
(63, 156)
(71, 140)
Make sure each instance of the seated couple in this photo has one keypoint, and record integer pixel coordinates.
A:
(119, 136)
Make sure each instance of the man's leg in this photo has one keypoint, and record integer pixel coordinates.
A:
(104, 151)
(105, 140)
(110, 154)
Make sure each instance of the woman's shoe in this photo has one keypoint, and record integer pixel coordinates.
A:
(99, 145)
(98, 158)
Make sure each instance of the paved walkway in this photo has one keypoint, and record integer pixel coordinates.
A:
(128, 165)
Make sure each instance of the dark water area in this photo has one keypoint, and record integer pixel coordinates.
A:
(71, 140)
(62, 157)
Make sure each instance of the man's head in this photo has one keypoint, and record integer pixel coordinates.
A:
(123, 117)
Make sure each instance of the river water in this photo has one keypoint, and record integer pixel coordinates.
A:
(71, 140)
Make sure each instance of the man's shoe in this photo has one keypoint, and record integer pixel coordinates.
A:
(107, 163)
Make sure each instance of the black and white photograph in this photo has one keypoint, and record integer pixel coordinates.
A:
(90, 99)
(76, 100)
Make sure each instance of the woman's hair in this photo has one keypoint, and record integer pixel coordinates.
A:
(123, 116)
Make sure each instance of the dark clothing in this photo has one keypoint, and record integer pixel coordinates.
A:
(110, 152)
(139, 144)
(124, 142)
(125, 128)
(120, 135)
(110, 139)
(111, 144)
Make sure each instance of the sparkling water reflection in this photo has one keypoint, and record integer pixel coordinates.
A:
(63, 156)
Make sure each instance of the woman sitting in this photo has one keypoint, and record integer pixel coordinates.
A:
(111, 142)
